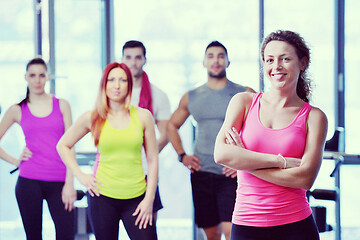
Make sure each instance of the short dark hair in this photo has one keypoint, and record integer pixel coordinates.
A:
(216, 44)
(134, 44)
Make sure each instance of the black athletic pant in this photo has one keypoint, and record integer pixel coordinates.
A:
(30, 195)
(302, 230)
(105, 214)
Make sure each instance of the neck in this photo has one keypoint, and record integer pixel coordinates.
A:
(38, 97)
(137, 82)
(217, 83)
(116, 107)
(282, 98)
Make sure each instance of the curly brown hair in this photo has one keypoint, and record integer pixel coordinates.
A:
(303, 88)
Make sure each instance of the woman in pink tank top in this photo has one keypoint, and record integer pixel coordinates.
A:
(42, 175)
(275, 140)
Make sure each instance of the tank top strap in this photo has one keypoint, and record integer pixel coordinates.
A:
(24, 108)
(56, 104)
(25, 111)
(303, 113)
(256, 101)
(134, 116)
(305, 109)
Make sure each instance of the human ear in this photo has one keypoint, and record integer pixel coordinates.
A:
(303, 63)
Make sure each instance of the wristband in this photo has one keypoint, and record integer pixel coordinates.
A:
(181, 157)
(282, 157)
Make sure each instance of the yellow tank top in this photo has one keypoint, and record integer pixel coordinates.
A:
(119, 165)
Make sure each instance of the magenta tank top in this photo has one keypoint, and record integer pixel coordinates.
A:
(260, 203)
(41, 136)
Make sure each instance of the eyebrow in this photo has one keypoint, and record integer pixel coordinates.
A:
(127, 55)
(269, 55)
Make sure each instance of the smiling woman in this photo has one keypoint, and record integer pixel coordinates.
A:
(175, 35)
(275, 140)
(281, 64)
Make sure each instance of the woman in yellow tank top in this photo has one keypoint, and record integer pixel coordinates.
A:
(117, 189)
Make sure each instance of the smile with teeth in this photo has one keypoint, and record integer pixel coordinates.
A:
(278, 76)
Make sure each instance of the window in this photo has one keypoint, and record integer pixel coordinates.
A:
(175, 35)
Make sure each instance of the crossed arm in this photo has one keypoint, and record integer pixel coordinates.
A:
(300, 173)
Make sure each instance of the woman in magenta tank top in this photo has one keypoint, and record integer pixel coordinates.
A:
(275, 140)
(117, 189)
(42, 175)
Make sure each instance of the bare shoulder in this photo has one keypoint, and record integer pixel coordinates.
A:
(15, 108)
(144, 114)
(64, 105)
(184, 101)
(86, 115)
(316, 114)
(249, 89)
(85, 119)
(63, 102)
(317, 119)
(243, 98)
(14, 113)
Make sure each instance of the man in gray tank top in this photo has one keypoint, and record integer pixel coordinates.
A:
(213, 185)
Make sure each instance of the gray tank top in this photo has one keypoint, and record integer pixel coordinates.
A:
(208, 108)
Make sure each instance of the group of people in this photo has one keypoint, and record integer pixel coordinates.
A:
(254, 157)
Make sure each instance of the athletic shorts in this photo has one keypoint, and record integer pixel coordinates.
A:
(213, 197)
(157, 201)
(157, 205)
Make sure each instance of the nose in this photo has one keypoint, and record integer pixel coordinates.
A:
(132, 62)
(278, 64)
(117, 83)
(37, 79)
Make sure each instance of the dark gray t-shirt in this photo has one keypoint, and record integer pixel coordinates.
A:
(208, 108)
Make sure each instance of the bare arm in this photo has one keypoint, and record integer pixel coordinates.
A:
(229, 172)
(64, 147)
(11, 116)
(234, 156)
(305, 175)
(68, 192)
(176, 121)
(144, 209)
(163, 139)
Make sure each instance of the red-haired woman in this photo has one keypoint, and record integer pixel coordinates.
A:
(117, 189)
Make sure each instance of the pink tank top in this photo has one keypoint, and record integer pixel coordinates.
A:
(41, 136)
(260, 203)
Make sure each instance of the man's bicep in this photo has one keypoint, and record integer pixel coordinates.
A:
(179, 117)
